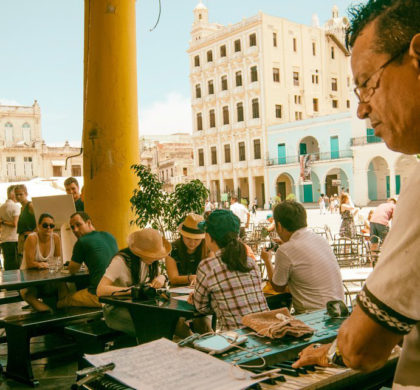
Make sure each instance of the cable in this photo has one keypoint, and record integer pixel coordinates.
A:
(160, 11)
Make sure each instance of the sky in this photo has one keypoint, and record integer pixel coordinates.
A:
(41, 56)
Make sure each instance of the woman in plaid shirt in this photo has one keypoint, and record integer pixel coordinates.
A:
(229, 283)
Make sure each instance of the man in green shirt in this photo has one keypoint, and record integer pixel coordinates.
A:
(95, 249)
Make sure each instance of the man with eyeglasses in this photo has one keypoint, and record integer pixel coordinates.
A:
(385, 38)
(95, 249)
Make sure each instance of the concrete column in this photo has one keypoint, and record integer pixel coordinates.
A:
(361, 190)
(222, 183)
(110, 127)
(251, 186)
(266, 190)
(297, 192)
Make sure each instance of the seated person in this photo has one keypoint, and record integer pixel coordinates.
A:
(40, 246)
(228, 283)
(187, 252)
(131, 266)
(305, 262)
(95, 249)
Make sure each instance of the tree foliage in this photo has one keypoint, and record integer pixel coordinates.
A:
(156, 208)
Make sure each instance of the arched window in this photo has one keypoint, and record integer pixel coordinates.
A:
(26, 133)
(8, 133)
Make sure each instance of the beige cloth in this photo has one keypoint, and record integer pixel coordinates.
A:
(277, 324)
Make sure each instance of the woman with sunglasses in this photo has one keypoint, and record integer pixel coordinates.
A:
(39, 247)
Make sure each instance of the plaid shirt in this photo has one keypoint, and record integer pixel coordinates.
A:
(229, 294)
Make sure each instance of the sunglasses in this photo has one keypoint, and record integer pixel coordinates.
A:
(48, 225)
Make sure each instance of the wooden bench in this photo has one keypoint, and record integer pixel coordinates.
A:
(21, 328)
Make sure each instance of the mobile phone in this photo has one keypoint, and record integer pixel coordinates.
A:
(217, 343)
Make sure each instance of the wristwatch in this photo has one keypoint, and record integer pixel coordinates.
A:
(334, 357)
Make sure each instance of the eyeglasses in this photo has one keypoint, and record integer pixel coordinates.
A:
(368, 92)
(48, 225)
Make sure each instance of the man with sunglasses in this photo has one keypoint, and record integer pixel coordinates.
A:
(95, 249)
(385, 38)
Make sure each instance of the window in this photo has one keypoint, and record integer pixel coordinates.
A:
(11, 167)
(224, 83)
(200, 157)
(296, 78)
(185, 171)
(57, 171)
(315, 79)
(315, 104)
(335, 103)
(76, 170)
(212, 118)
(276, 75)
(240, 112)
(298, 99)
(255, 109)
(225, 115)
(294, 45)
(197, 61)
(227, 153)
(199, 121)
(334, 86)
(274, 39)
(223, 51)
(241, 146)
(278, 110)
(253, 40)
(198, 91)
(257, 149)
(298, 115)
(26, 132)
(213, 155)
(313, 48)
(238, 78)
(210, 86)
(348, 103)
(254, 74)
(8, 133)
(332, 52)
(209, 56)
(237, 45)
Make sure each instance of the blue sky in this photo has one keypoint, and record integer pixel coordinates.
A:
(41, 56)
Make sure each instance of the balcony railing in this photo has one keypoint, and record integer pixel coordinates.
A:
(370, 139)
(334, 155)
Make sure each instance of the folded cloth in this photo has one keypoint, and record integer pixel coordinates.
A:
(277, 324)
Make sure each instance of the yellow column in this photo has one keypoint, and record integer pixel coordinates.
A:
(110, 123)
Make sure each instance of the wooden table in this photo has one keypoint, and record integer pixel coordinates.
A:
(19, 279)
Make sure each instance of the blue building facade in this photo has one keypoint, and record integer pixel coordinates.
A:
(310, 157)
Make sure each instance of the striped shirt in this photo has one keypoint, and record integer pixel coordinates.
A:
(229, 294)
(308, 266)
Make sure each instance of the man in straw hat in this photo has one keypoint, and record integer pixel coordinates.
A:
(95, 249)
(134, 265)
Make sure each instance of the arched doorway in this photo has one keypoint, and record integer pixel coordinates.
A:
(378, 179)
(403, 167)
(309, 145)
(310, 190)
(335, 179)
(284, 186)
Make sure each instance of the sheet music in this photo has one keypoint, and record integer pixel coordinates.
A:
(162, 365)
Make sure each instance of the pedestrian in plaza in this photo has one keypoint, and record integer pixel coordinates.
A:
(9, 216)
(321, 204)
(379, 222)
(72, 188)
(385, 39)
(26, 222)
(347, 212)
(242, 213)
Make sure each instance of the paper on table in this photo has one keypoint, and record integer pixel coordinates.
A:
(181, 290)
(181, 298)
(162, 365)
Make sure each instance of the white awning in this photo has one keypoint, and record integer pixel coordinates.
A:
(57, 163)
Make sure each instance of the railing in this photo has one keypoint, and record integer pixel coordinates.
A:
(370, 139)
(334, 155)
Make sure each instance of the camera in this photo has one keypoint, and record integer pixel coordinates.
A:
(142, 292)
(272, 246)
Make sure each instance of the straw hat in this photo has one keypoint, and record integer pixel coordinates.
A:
(189, 227)
(148, 242)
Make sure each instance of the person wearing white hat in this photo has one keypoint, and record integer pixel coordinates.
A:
(131, 266)
(187, 252)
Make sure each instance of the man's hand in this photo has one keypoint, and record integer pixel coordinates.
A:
(266, 255)
(190, 298)
(158, 282)
(43, 265)
(192, 279)
(313, 354)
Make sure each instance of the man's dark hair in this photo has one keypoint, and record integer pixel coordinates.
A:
(71, 180)
(397, 22)
(83, 215)
(43, 216)
(10, 189)
(291, 215)
(21, 187)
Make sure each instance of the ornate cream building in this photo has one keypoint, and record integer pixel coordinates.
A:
(260, 72)
(23, 153)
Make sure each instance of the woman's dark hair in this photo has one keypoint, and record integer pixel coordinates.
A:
(132, 262)
(201, 251)
(233, 252)
(44, 215)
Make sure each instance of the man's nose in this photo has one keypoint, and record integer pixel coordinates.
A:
(363, 110)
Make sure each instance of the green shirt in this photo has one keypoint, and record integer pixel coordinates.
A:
(96, 250)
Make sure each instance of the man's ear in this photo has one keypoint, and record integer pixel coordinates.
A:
(414, 51)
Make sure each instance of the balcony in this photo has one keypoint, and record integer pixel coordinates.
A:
(370, 139)
(315, 157)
